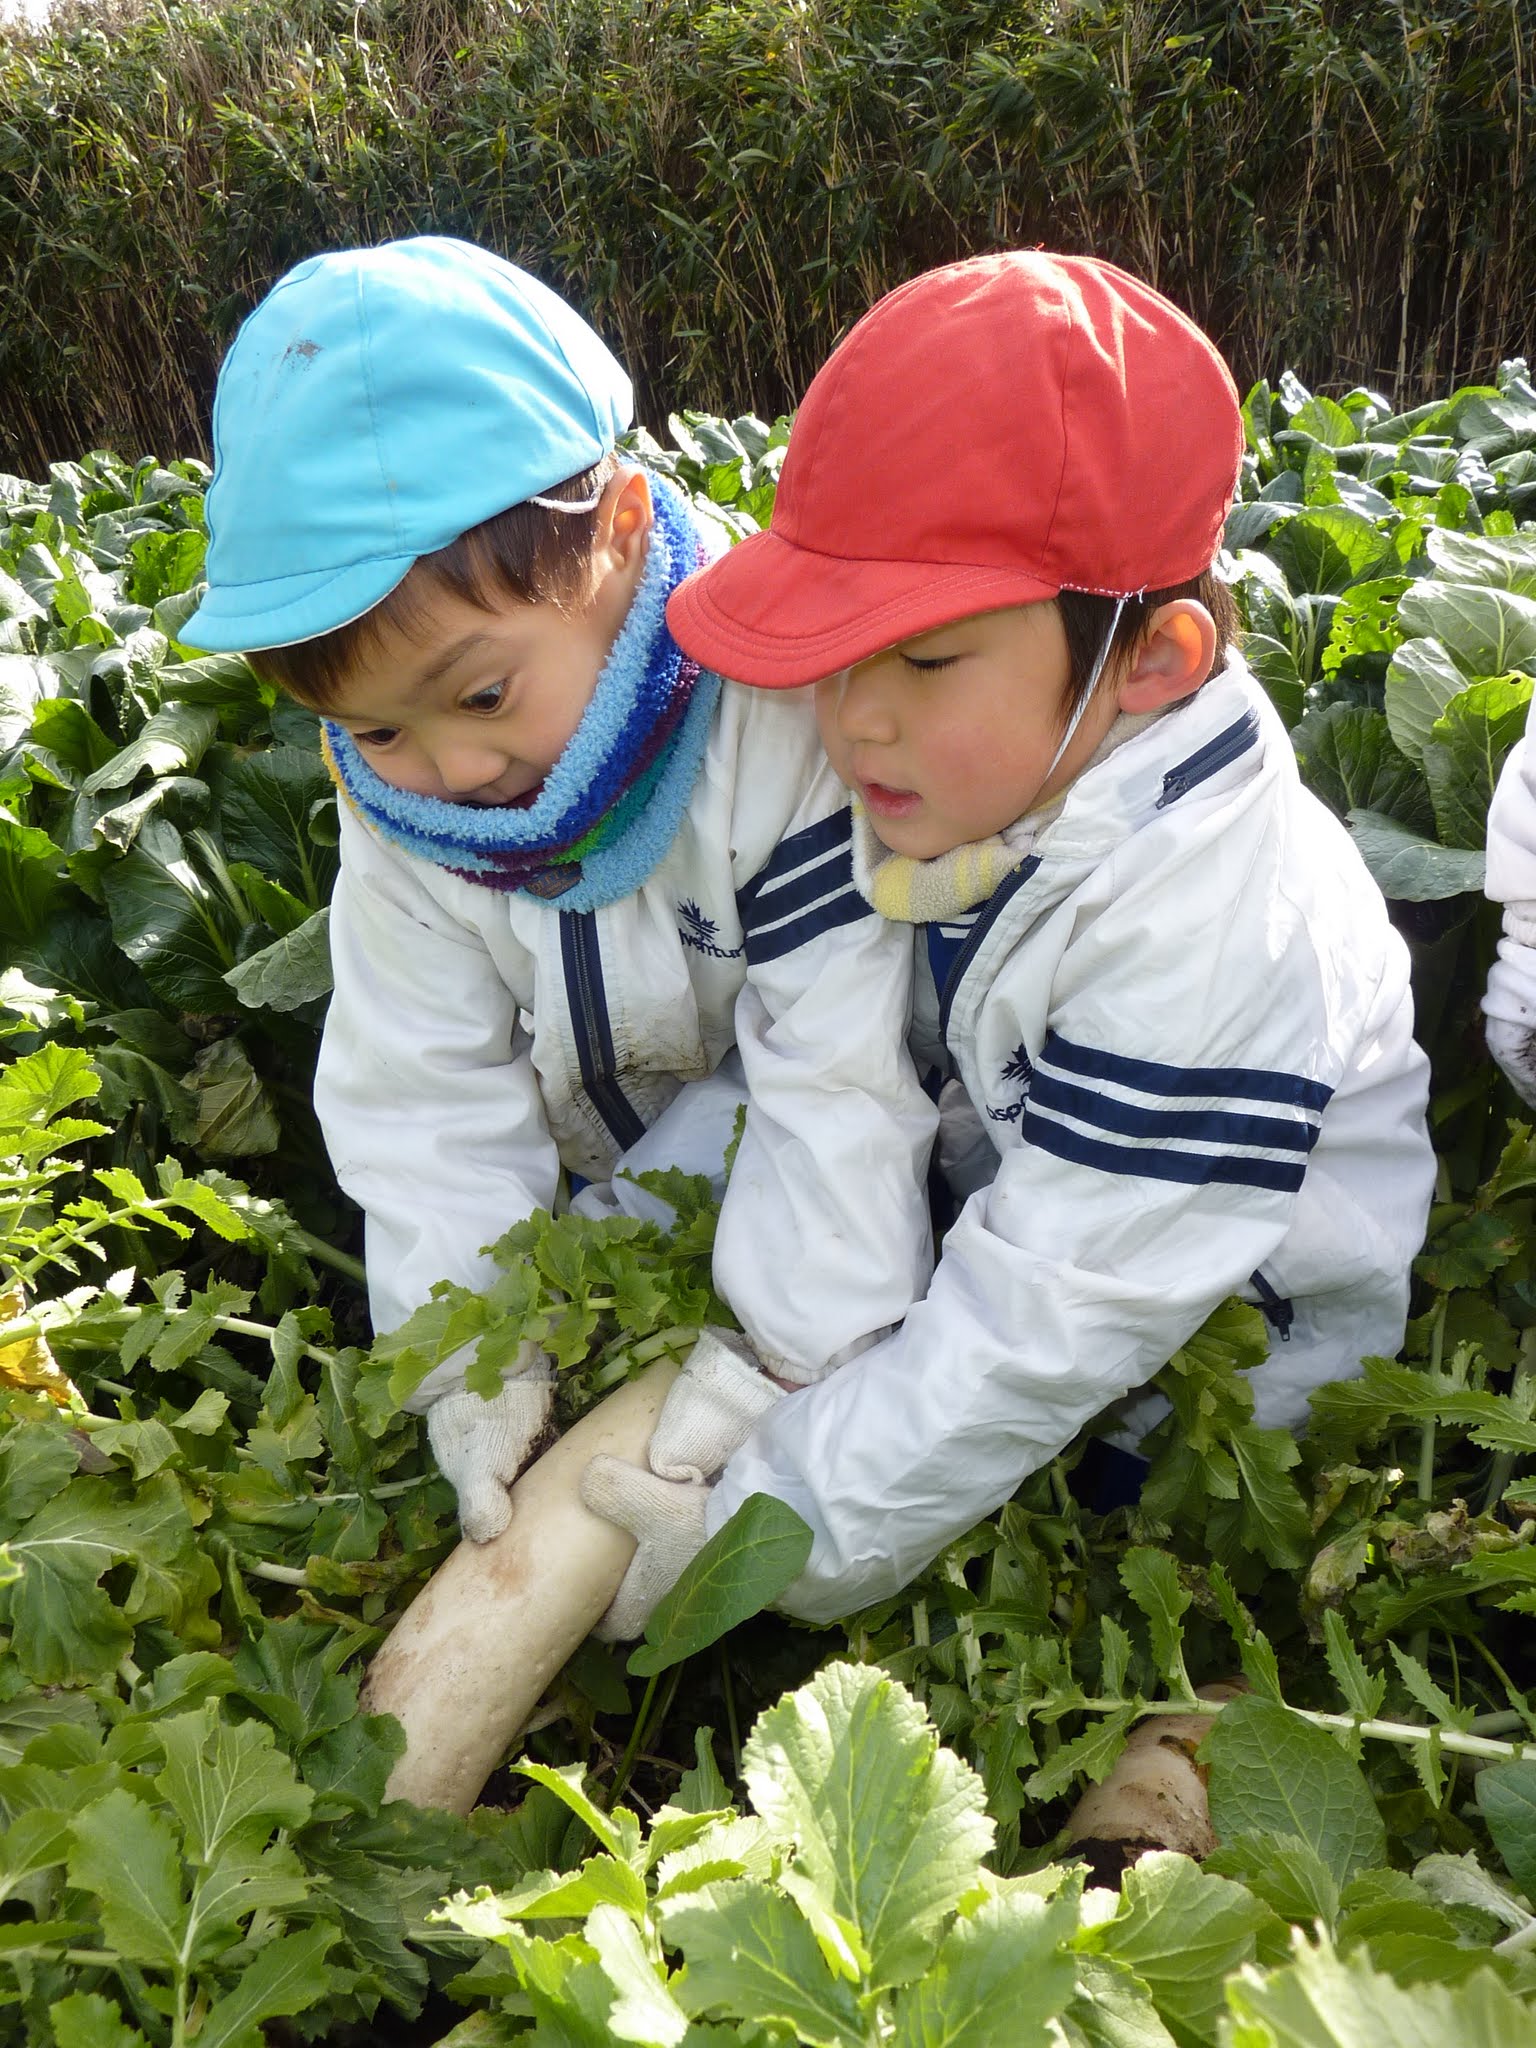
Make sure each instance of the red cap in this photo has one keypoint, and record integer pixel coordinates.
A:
(987, 435)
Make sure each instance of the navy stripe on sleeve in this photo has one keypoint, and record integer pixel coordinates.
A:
(1196, 1126)
(847, 907)
(812, 843)
(1195, 1168)
(1254, 1084)
(1254, 1126)
(803, 890)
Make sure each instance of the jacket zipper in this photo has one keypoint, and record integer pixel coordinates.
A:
(1214, 755)
(1278, 1312)
(594, 1035)
(1001, 896)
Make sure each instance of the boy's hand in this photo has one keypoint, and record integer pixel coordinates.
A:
(713, 1406)
(666, 1519)
(481, 1445)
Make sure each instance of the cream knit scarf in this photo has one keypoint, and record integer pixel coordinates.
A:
(913, 891)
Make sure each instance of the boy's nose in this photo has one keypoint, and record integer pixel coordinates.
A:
(462, 769)
(862, 710)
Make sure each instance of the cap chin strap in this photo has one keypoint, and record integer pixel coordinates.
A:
(567, 504)
(1086, 697)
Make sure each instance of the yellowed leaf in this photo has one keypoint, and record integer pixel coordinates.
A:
(28, 1364)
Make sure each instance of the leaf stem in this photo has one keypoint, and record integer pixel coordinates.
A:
(330, 1255)
(632, 1748)
(1454, 1739)
(242, 1326)
(732, 1727)
(278, 1574)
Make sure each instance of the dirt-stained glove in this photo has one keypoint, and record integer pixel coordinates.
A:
(666, 1519)
(481, 1445)
(713, 1405)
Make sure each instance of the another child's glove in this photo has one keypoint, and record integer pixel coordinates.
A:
(666, 1519)
(713, 1405)
(481, 1445)
(1510, 1001)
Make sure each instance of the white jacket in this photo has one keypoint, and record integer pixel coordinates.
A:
(476, 1041)
(1186, 1022)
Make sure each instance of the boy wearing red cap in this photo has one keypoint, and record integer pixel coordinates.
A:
(1173, 1020)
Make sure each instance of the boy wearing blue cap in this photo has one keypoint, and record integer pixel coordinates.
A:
(592, 897)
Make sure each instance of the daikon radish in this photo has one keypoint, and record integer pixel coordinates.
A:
(467, 1662)
(1154, 1798)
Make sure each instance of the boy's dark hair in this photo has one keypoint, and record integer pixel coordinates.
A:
(527, 554)
(1085, 619)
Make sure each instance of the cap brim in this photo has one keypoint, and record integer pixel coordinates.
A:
(234, 618)
(780, 616)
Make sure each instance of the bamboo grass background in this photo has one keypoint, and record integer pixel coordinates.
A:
(1347, 190)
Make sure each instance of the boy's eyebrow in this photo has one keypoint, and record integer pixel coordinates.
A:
(450, 658)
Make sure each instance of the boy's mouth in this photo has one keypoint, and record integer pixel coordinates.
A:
(883, 802)
(523, 801)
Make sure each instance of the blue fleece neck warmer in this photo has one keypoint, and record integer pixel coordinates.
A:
(611, 805)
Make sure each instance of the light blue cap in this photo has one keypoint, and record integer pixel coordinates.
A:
(377, 404)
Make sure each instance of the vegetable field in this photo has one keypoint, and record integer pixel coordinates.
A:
(212, 1509)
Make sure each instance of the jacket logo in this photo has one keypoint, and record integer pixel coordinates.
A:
(699, 931)
(1018, 1067)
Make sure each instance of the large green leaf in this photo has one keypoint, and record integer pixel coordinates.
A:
(1151, 1577)
(744, 1566)
(1486, 631)
(1182, 1933)
(31, 884)
(224, 1780)
(1464, 753)
(1273, 1773)
(1508, 561)
(644, 2009)
(168, 921)
(66, 1628)
(1410, 868)
(1329, 547)
(887, 1829)
(751, 1955)
(288, 1976)
(1348, 758)
(236, 1116)
(1421, 680)
(172, 740)
(264, 802)
(998, 1979)
(290, 972)
(1506, 1795)
(126, 1854)
(87, 2020)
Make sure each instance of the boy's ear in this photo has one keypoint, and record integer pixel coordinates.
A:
(1174, 656)
(624, 519)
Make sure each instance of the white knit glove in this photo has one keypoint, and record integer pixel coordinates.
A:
(666, 1519)
(1509, 1002)
(481, 1445)
(712, 1406)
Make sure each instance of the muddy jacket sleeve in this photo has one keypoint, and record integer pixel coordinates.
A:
(424, 1088)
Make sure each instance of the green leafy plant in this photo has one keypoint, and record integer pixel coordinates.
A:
(834, 1914)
